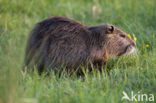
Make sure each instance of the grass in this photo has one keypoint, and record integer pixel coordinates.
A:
(17, 18)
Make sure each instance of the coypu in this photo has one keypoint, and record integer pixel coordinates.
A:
(61, 41)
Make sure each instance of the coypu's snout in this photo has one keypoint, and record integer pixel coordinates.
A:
(130, 46)
(130, 49)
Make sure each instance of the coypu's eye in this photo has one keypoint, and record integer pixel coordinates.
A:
(122, 35)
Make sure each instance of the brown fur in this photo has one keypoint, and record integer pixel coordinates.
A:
(61, 41)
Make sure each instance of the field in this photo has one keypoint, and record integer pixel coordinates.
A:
(135, 74)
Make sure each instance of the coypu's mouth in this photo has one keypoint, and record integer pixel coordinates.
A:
(128, 50)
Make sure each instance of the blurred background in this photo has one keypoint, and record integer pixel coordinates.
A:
(18, 17)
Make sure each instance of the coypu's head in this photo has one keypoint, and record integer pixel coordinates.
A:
(112, 41)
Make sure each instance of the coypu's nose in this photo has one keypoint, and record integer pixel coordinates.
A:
(134, 44)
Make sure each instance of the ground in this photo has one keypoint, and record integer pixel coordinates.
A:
(132, 74)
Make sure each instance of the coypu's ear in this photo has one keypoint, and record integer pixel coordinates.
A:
(109, 29)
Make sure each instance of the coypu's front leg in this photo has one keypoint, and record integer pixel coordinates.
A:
(100, 65)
